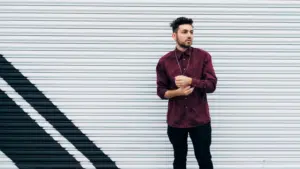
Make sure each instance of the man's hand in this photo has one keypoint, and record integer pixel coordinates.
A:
(182, 81)
(184, 91)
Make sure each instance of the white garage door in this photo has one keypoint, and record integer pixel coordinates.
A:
(95, 62)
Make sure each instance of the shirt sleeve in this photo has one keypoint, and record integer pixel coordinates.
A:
(161, 80)
(208, 82)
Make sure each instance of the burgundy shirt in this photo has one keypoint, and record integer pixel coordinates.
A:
(192, 110)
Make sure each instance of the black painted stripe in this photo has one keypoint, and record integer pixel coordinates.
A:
(53, 115)
(26, 143)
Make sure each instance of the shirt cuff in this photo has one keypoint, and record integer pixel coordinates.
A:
(197, 83)
(161, 93)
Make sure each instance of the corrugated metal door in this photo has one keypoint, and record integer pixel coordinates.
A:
(95, 61)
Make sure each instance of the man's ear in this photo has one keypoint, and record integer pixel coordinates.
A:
(174, 36)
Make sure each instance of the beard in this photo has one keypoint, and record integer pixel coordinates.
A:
(184, 44)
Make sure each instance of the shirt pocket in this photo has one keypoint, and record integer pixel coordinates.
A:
(195, 70)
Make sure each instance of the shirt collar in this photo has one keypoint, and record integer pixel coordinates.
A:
(181, 54)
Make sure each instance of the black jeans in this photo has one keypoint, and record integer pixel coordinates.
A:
(201, 139)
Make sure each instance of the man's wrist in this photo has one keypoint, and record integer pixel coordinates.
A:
(173, 93)
(190, 80)
(178, 92)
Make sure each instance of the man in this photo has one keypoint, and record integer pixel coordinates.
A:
(184, 77)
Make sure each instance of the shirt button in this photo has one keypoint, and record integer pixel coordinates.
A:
(185, 98)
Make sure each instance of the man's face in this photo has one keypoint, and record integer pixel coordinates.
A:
(184, 36)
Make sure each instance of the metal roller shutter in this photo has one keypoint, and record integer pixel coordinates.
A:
(95, 61)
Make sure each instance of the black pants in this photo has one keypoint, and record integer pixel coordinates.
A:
(201, 139)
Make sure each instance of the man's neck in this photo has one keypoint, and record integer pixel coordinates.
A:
(181, 48)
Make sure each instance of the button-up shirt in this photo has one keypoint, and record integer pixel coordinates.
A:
(192, 110)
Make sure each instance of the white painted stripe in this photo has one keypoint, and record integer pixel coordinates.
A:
(6, 162)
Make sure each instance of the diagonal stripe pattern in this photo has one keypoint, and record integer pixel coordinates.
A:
(53, 115)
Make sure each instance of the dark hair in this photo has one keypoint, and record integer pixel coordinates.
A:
(180, 21)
